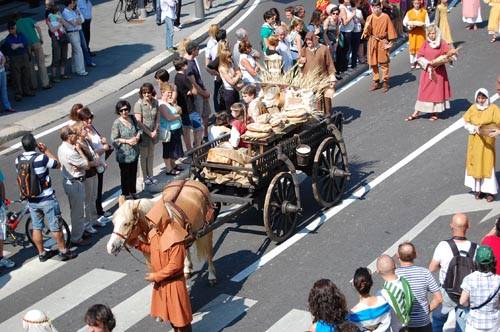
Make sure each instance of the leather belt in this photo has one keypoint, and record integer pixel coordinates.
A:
(78, 179)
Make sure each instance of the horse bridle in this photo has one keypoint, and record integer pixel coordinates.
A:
(135, 212)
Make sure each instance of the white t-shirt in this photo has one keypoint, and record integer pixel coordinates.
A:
(247, 78)
(357, 21)
(443, 255)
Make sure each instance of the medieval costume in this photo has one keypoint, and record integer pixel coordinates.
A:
(434, 88)
(494, 19)
(170, 298)
(37, 321)
(416, 20)
(471, 12)
(480, 162)
(442, 23)
(380, 31)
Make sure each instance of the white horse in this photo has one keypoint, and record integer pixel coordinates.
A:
(130, 221)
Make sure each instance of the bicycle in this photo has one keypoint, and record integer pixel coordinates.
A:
(14, 218)
(129, 8)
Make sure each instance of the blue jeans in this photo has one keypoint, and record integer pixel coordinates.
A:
(439, 319)
(51, 211)
(85, 49)
(3, 90)
(169, 33)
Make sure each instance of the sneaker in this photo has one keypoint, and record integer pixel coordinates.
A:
(7, 263)
(177, 28)
(90, 229)
(148, 182)
(44, 256)
(153, 181)
(64, 256)
(83, 73)
(92, 64)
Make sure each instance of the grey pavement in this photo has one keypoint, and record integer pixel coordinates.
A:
(376, 137)
(125, 52)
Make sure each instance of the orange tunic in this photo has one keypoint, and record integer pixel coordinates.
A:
(416, 36)
(170, 298)
(378, 29)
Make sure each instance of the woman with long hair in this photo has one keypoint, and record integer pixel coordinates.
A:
(248, 64)
(295, 39)
(327, 305)
(372, 313)
(230, 78)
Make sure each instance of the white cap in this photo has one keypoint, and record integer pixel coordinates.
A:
(37, 321)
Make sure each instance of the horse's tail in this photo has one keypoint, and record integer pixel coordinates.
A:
(204, 248)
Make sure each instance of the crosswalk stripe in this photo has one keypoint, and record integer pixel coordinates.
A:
(294, 321)
(220, 312)
(133, 310)
(67, 297)
(25, 275)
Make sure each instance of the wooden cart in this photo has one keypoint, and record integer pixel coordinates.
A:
(273, 185)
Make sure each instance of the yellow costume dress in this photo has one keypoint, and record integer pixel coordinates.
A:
(494, 19)
(416, 36)
(442, 22)
(480, 162)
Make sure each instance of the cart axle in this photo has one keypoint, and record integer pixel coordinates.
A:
(338, 172)
(289, 208)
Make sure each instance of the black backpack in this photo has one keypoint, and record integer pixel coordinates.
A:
(460, 266)
(27, 179)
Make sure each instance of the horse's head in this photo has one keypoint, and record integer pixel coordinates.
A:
(125, 220)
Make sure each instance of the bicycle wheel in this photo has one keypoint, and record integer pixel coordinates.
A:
(48, 241)
(130, 9)
(118, 11)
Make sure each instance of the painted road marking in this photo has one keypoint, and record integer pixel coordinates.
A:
(220, 312)
(67, 297)
(294, 321)
(131, 93)
(327, 215)
(453, 204)
(133, 310)
(26, 275)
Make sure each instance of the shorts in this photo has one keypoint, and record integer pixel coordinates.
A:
(196, 123)
(51, 211)
(186, 121)
(202, 106)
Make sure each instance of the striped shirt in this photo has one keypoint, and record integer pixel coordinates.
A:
(395, 287)
(42, 164)
(421, 282)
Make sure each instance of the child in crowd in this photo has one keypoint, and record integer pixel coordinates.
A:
(221, 126)
(249, 94)
(239, 125)
(162, 76)
(56, 21)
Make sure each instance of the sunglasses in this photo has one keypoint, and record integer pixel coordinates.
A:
(124, 109)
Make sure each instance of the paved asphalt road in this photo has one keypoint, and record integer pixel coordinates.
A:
(377, 139)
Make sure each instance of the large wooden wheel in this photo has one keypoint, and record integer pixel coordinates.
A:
(280, 207)
(329, 172)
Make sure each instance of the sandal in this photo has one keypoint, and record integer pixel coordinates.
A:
(411, 118)
(172, 172)
(433, 118)
(493, 39)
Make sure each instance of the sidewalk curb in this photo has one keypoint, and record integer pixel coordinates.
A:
(113, 84)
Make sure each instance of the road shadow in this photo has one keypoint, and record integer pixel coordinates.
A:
(401, 79)
(457, 106)
(110, 62)
(349, 114)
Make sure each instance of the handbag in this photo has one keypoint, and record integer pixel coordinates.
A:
(165, 135)
(488, 300)
(109, 151)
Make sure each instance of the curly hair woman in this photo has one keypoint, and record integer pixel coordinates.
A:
(327, 305)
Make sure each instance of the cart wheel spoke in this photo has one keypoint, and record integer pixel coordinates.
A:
(278, 223)
(330, 154)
